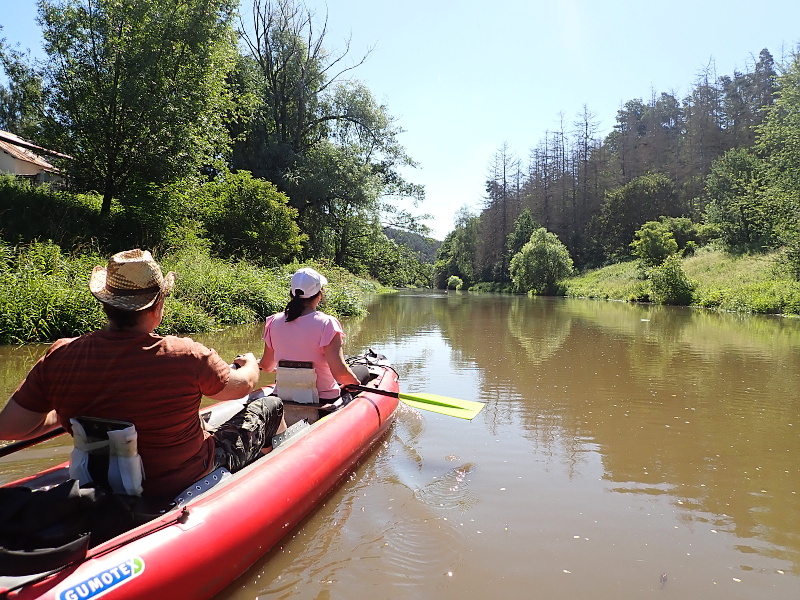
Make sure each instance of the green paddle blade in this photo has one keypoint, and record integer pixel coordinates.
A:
(453, 407)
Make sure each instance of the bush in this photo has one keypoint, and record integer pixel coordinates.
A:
(232, 293)
(493, 287)
(454, 283)
(72, 219)
(395, 264)
(185, 317)
(156, 218)
(541, 264)
(652, 244)
(690, 248)
(44, 294)
(669, 284)
(248, 218)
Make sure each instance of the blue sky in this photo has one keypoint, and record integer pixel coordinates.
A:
(463, 77)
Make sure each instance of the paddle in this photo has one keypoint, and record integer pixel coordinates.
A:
(453, 407)
(22, 444)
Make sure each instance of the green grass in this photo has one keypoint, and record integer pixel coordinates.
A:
(615, 282)
(738, 283)
(44, 293)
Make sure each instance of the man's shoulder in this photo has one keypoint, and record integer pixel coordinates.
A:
(62, 343)
(174, 343)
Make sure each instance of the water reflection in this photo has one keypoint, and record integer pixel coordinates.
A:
(696, 406)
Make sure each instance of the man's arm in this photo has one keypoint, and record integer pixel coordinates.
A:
(17, 423)
(241, 380)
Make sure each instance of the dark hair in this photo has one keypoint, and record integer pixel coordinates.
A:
(126, 319)
(121, 318)
(296, 304)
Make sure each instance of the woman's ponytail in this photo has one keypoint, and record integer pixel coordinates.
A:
(296, 304)
(294, 308)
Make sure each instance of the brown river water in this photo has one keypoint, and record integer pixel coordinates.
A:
(625, 451)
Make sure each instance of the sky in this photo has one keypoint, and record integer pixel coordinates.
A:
(465, 77)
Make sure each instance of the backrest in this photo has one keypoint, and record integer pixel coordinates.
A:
(105, 452)
(296, 381)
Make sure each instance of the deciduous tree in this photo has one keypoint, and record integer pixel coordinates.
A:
(541, 264)
(136, 89)
(628, 207)
(21, 103)
(322, 140)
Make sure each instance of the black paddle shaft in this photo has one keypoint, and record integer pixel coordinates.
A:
(363, 388)
(22, 444)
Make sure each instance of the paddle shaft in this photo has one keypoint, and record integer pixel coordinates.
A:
(454, 407)
(363, 388)
(22, 444)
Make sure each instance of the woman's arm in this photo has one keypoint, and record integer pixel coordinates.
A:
(341, 372)
(268, 362)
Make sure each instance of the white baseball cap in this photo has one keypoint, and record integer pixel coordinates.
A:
(307, 282)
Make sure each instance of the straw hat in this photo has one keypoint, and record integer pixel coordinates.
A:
(132, 281)
(307, 282)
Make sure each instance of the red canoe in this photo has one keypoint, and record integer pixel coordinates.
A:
(202, 545)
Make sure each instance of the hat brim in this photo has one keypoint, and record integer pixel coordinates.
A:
(132, 302)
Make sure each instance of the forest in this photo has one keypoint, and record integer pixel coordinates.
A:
(719, 166)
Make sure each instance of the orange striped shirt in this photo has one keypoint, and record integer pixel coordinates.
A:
(154, 382)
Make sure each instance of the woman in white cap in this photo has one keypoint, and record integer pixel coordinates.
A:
(304, 334)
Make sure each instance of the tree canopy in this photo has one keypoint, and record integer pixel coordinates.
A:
(147, 95)
(136, 91)
(719, 161)
(541, 264)
(321, 139)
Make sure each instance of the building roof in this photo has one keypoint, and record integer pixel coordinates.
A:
(23, 150)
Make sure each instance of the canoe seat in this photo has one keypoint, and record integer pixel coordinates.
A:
(104, 452)
(296, 381)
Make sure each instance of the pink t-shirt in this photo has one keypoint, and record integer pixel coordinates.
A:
(305, 339)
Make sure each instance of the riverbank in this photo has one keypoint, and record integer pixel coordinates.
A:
(738, 283)
(44, 293)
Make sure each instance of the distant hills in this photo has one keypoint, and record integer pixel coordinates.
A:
(424, 247)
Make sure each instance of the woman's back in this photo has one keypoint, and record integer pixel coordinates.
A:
(305, 339)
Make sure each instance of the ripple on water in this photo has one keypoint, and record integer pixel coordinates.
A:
(417, 549)
(450, 490)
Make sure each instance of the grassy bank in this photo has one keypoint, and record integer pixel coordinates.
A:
(746, 283)
(44, 293)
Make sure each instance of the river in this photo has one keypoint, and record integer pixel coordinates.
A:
(625, 451)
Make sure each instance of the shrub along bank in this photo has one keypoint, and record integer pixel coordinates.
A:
(44, 293)
(760, 283)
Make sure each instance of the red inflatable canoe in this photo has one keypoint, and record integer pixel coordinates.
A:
(212, 536)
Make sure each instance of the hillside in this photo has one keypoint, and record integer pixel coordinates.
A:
(424, 247)
(739, 283)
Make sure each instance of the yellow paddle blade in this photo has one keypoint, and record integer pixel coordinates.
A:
(453, 407)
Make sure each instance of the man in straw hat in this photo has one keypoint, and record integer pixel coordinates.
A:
(126, 372)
